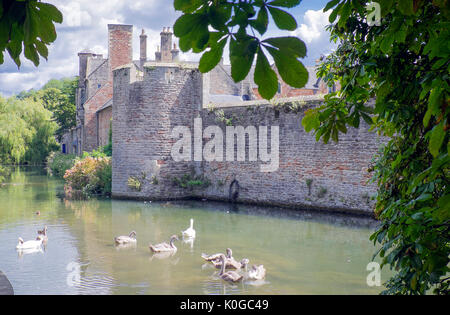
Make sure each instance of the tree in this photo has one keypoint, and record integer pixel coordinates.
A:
(207, 26)
(27, 26)
(401, 65)
(26, 131)
(58, 96)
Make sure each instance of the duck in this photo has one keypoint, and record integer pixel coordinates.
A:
(43, 234)
(29, 244)
(257, 272)
(164, 247)
(122, 240)
(189, 232)
(229, 276)
(215, 257)
(231, 263)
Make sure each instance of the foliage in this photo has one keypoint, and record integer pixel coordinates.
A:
(190, 181)
(58, 163)
(26, 131)
(88, 177)
(134, 183)
(207, 26)
(5, 172)
(395, 77)
(95, 154)
(27, 26)
(57, 96)
(107, 149)
(322, 192)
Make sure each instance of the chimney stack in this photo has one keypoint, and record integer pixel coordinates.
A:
(120, 50)
(165, 55)
(143, 51)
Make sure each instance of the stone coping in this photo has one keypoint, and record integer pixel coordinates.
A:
(274, 102)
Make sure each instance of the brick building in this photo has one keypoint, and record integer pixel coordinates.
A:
(95, 87)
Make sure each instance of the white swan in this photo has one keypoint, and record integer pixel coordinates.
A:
(189, 232)
(29, 244)
(164, 247)
(122, 240)
(256, 273)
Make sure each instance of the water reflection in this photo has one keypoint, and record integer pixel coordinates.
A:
(303, 252)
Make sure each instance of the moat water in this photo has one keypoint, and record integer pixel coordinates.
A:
(303, 252)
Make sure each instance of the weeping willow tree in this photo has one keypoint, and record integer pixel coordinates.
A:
(26, 131)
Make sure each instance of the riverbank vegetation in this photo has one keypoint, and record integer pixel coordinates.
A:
(89, 176)
(26, 131)
(58, 163)
(33, 121)
(5, 172)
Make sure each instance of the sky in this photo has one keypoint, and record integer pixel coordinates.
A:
(85, 27)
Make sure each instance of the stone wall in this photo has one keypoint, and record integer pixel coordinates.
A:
(311, 175)
(144, 114)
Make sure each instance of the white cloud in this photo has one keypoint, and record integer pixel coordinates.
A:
(313, 32)
(314, 29)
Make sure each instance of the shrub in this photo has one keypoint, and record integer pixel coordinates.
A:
(134, 183)
(89, 176)
(58, 163)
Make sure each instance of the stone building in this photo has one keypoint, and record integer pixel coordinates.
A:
(145, 102)
(94, 97)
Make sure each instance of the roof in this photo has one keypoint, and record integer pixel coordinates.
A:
(312, 80)
(106, 105)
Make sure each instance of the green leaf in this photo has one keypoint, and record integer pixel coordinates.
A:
(330, 4)
(242, 54)
(291, 45)
(50, 11)
(366, 118)
(265, 77)
(283, 20)
(436, 139)
(261, 22)
(406, 6)
(344, 13)
(311, 120)
(387, 42)
(211, 58)
(187, 6)
(185, 24)
(291, 70)
(42, 49)
(335, 13)
(434, 103)
(285, 3)
(31, 54)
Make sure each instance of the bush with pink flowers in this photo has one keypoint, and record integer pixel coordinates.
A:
(90, 176)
